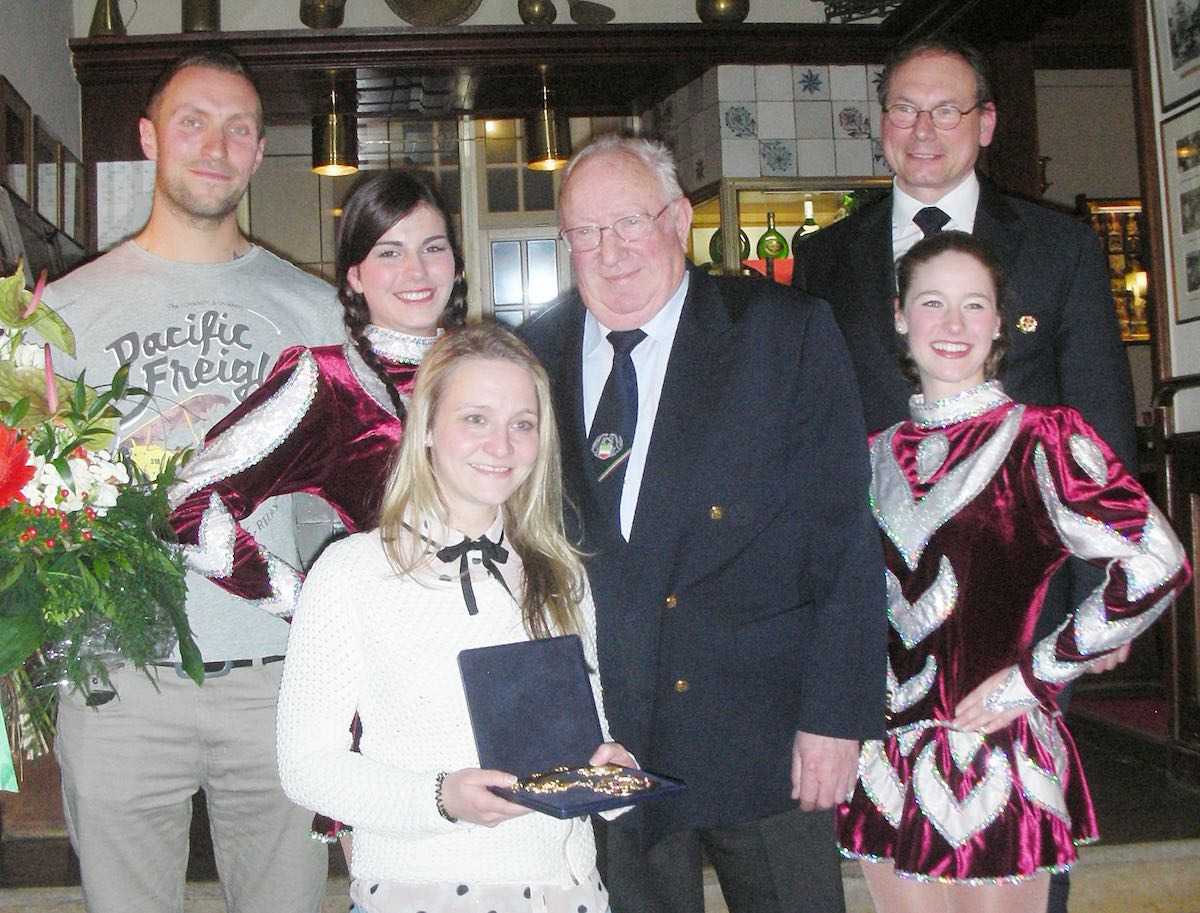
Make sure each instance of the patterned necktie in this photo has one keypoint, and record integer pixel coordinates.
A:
(615, 422)
(490, 552)
(931, 220)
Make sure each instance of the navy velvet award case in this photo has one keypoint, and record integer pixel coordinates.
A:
(532, 711)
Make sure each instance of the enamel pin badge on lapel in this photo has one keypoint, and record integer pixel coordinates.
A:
(607, 445)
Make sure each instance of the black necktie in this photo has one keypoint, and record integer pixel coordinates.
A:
(931, 220)
(490, 552)
(615, 422)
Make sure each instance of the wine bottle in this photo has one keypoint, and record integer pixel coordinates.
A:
(772, 245)
(808, 226)
(716, 247)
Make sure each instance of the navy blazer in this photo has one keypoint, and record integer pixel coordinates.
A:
(749, 600)
(1058, 276)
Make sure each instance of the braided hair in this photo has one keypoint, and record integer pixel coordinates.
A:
(378, 201)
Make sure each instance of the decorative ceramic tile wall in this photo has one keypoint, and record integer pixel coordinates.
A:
(773, 121)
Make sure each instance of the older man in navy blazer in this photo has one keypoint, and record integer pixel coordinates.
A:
(735, 565)
(1064, 343)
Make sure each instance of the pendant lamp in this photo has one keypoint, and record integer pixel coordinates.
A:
(334, 141)
(547, 135)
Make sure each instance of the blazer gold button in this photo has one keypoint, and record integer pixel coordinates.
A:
(671, 601)
(682, 685)
(716, 512)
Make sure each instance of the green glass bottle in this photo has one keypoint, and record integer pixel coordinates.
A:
(716, 247)
(772, 245)
(808, 226)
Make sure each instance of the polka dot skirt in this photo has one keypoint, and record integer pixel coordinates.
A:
(468, 897)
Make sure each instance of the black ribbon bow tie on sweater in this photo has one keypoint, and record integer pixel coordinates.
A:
(489, 553)
(931, 220)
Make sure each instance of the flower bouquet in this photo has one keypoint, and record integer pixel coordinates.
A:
(88, 577)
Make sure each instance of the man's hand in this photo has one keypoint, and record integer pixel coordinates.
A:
(824, 770)
(1110, 661)
(612, 753)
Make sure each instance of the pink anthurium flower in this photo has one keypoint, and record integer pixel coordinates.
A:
(37, 296)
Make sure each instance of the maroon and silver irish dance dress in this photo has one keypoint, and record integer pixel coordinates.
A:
(322, 423)
(980, 500)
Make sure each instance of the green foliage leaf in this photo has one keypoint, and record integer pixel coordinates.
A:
(22, 636)
(14, 300)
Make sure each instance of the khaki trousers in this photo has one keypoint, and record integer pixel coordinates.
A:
(130, 767)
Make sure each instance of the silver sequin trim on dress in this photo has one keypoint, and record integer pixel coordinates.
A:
(950, 410)
(1087, 454)
(963, 747)
(906, 739)
(212, 555)
(931, 454)
(399, 347)
(880, 781)
(1012, 693)
(1094, 633)
(1044, 728)
(910, 523)
(901, 697)
(285, 586)
(1041, 788)
(914, 621)
(1147, 564)
(255, 436)
(959, 821)
(1047, 667)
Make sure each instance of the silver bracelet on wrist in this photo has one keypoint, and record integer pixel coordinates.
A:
(437, 798)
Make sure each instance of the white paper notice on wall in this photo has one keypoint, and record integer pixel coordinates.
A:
(124, 191)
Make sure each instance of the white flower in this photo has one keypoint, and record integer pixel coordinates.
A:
(81, 473)
(28, 355)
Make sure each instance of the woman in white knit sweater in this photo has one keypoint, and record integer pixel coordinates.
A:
(470, 552)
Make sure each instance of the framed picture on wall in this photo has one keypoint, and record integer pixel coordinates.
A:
(1181, 172)
(72, 204)
(16, 138)
(45, 181)
(1177, 49)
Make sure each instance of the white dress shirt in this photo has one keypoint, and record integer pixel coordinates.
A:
(650, 358)
(959, 204)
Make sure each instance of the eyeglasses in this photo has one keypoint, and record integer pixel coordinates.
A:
(630, 229)
(943, 117)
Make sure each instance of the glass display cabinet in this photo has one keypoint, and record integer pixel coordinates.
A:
(732, 214)
(1118, 225)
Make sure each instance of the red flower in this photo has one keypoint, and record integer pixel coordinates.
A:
(15, 470)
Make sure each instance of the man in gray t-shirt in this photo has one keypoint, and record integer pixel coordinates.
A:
(199, 314)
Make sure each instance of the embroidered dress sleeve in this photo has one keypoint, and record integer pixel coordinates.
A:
(1101, 514)
(325, 673)
(265, 447)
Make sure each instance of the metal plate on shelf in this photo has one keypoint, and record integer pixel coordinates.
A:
(434, 12)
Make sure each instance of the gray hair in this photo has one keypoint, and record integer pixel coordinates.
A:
(941, 45)
(654, 154)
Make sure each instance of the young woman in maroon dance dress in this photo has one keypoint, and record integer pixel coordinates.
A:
(327, 420)
(976, 793)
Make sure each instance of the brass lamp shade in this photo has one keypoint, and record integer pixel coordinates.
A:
(335, 144)
(547, 136)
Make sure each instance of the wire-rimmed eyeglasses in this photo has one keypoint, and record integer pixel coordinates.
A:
(629, 229)
(943, 117)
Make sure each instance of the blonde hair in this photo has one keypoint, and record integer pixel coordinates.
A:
(533, 524)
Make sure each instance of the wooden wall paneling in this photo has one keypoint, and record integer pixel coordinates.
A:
(1012, 159)
(1150, 175)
